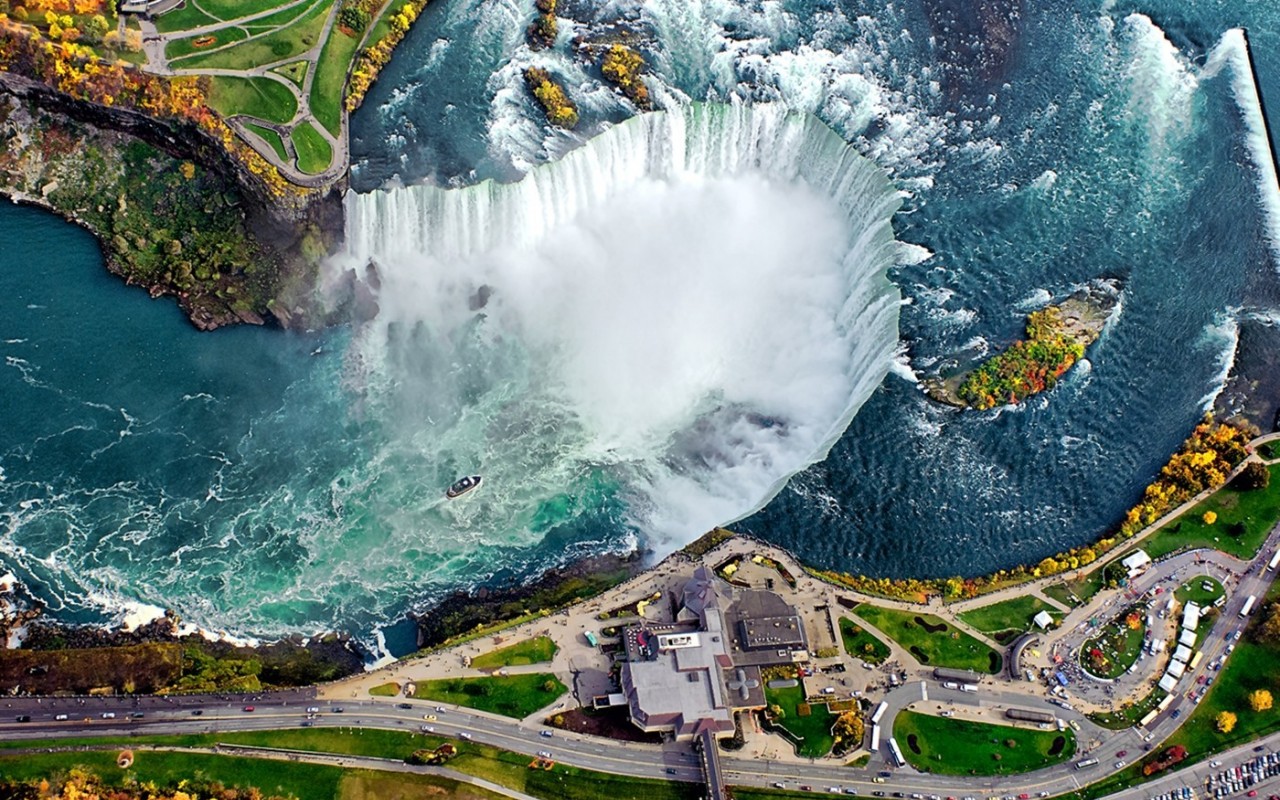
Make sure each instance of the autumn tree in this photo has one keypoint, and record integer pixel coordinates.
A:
(1260, 700)
(1269, 629)
(847, 731)
(1225, 722)
(1255, 475)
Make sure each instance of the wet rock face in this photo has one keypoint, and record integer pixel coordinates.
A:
(977, 39)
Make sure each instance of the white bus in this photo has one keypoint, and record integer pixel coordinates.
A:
(1247, 608)
(875, 738)
(1275, 561)
(1088, 762)
(896, 753)
(879, 713)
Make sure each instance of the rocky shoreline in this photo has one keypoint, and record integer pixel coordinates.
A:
(172, 211)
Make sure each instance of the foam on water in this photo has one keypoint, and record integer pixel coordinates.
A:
(1232, 51)
(624, 332)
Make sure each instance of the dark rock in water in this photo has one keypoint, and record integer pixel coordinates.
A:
(372, 276)
(1252, 390)
(978, 40)
(481, 298)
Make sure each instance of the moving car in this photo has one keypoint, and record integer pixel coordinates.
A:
(248, 709)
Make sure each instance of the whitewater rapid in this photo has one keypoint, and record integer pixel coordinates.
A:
(682, 313)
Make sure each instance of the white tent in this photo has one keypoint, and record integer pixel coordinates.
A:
(1136, 561)
(1176, 668)
(1168, 682)
(1188, 638)
(1191, 616)
(1043, 619)
(1183, 653)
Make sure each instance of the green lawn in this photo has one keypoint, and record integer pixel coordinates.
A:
(308, 782)
(1008, 615)
(183, 19)
(931, 640)
(950, 746)
(286, 43)
(181, 48)
(303, 781)
(1270, 450)
(861, 644)
(263, 98)
(513, 696)
(271, 137)
(385, 690)
(1244, 518)
(1193, 590)
(1118, 644)
(314, 152)
(235, 9)
(296, 72)
(1076, 592)
(367, 784)
(531, 651)
(813, 730)
(331, 79)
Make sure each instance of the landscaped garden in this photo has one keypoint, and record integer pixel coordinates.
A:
(531, 651)
(1115, 647)
(861, 644)
(513, 696)
(809, 724)
(950, 746)
(1008, 615)
(931, 640)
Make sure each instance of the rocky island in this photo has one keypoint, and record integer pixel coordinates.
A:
(1056, 339)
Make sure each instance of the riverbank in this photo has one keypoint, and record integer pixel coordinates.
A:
(168, 208)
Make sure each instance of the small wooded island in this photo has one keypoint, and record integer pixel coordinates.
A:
(1056, 338)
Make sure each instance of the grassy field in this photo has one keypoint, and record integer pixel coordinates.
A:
(385, 690)
(1244, 518)
(331, 79)
(1076, 592)
(861, 644)
(1008, 615)
(514, 696)
(931, 640)
(284, 44)
(531, 651)
(950, 746)
(270, 137)
(314, 152)
(296, 72)
(257, 97)
(1270, 450)
(1118, 643)
(812, 729)
(183, 19)
(363, 784)
(235, 9)
(303, 781)
(1193, 590)
(307, 782)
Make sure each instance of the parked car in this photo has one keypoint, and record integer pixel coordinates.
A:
(404, 705)
(108, 715)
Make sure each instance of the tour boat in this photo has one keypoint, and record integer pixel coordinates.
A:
(464, 485)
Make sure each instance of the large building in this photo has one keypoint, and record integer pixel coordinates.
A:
(690, 677)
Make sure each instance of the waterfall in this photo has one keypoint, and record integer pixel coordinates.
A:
(688, 309)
